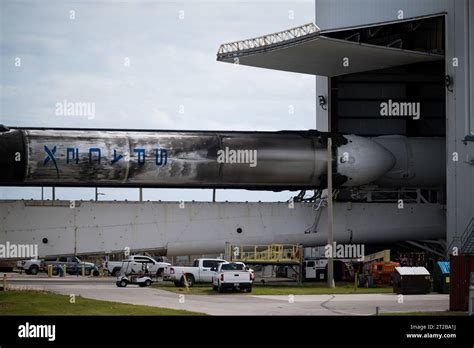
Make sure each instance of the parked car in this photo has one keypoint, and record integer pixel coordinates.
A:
(154, 267)
(73, 265)
(232, 275)
(199, 272)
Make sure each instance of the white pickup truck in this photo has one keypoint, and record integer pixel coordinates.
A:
(232, 275)
(153, 266)
(32, 266)
(200, 272)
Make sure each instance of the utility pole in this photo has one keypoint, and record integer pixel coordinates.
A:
(330, 274)
(141, 194)
(53, 191)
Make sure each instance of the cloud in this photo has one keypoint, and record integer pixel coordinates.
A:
(172, 65)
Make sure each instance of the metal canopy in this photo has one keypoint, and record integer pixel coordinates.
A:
(306, 50)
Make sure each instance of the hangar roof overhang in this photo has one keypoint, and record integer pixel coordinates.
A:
(308, 50)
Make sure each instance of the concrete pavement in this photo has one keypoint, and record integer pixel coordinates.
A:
(237, 304)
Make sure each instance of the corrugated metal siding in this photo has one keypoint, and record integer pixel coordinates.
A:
(356, 100)
(460, 174)
(470, 28)
(461, 267)
(343, 13)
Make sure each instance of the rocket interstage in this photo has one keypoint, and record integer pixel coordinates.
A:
(285, 160)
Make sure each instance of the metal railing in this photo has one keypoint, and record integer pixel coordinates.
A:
(273, 253)
(267, 40)
(407, 195)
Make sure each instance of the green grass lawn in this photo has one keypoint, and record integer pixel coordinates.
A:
(271, 289)
(46, 303)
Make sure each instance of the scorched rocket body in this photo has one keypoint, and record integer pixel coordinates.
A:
(286, 160)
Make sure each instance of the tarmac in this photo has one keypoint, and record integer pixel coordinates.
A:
(104, 288)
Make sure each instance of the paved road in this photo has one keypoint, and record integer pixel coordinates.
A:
(236, 304)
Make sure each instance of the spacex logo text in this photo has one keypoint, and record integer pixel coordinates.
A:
(94, 155)
(37, 331)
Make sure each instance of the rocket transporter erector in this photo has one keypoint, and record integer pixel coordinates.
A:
(284, 160)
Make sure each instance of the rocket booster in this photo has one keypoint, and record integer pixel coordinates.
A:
(284, 160)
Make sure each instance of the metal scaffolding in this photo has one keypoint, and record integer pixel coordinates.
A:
(285, 36)
(273, 254)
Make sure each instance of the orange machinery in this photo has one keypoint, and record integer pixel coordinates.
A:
(379, 267)
(382, 271)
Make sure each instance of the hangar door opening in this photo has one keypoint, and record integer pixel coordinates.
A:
(356, 98)
(386, 81)
(406, 100)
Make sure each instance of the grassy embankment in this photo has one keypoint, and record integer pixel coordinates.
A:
(46, 303)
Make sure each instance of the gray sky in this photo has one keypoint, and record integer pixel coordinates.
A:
(173, 80)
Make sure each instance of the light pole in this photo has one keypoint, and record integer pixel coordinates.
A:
(331, 284)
